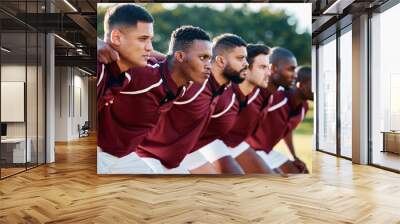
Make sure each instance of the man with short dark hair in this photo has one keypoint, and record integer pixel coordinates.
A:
(128, 29)
(133, 91)
(243, 94)
(280, 123)
(283, 64)
(178, 130)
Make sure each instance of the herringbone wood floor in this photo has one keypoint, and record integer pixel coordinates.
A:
(70, 191)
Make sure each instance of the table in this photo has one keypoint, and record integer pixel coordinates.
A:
(13, 150)
(391, 141)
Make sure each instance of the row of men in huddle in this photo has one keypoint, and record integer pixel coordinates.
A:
(208, 106)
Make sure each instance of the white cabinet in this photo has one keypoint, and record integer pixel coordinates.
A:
(13, 150)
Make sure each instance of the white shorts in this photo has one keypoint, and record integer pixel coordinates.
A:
(193, 160)
(273, 159)
(236, 151)
(157, 167)
(215, 151)
(129, 164)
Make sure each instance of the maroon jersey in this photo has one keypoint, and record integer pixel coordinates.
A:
(179, 129)
(281, 119)
(296, 117)
(248, 119)
(225, 115)
(130, 103)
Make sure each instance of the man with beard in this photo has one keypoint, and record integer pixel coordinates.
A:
(179, 129)
(280, 123)
(283, 64)
(227, 112)
(134, 90)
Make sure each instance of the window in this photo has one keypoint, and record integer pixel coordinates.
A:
(346, 92)
(327, 95)
(385, 89)
(22, 77)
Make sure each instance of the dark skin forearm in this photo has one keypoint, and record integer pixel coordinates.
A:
(289, 142)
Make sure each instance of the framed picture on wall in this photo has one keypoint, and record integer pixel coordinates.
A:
(12, 101)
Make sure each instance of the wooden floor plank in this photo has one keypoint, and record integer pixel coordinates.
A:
(70, 191)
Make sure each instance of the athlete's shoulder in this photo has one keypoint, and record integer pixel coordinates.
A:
(193, 91)
(279, 101)
(152, 67)
(279, 95)
(147, 74)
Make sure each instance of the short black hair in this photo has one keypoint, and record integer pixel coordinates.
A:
(303, 74)
(225, 42)
(184, 36)
(126, 14)
(280, 54)
(253, 50)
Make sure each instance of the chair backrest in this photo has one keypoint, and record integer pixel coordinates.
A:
(86, 125)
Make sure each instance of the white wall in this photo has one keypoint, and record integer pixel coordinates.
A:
(80, 82)
(61, 103)
(71, 93)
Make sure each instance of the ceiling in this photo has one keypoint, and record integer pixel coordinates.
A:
(74, 22)
(326, 13)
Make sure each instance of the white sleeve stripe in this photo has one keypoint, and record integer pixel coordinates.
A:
(254, 96)
(194, 97)
(153, 66)
(101, 75)
(226, 109)
(144, 90)
(278, 105)
(183, 90)
(128, 76)
(302, 113)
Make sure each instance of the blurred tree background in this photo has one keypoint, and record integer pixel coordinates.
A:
(270, 27)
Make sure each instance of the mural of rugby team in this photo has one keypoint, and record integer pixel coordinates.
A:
(216, 94)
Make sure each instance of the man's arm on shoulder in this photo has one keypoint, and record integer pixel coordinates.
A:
(105, 53)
